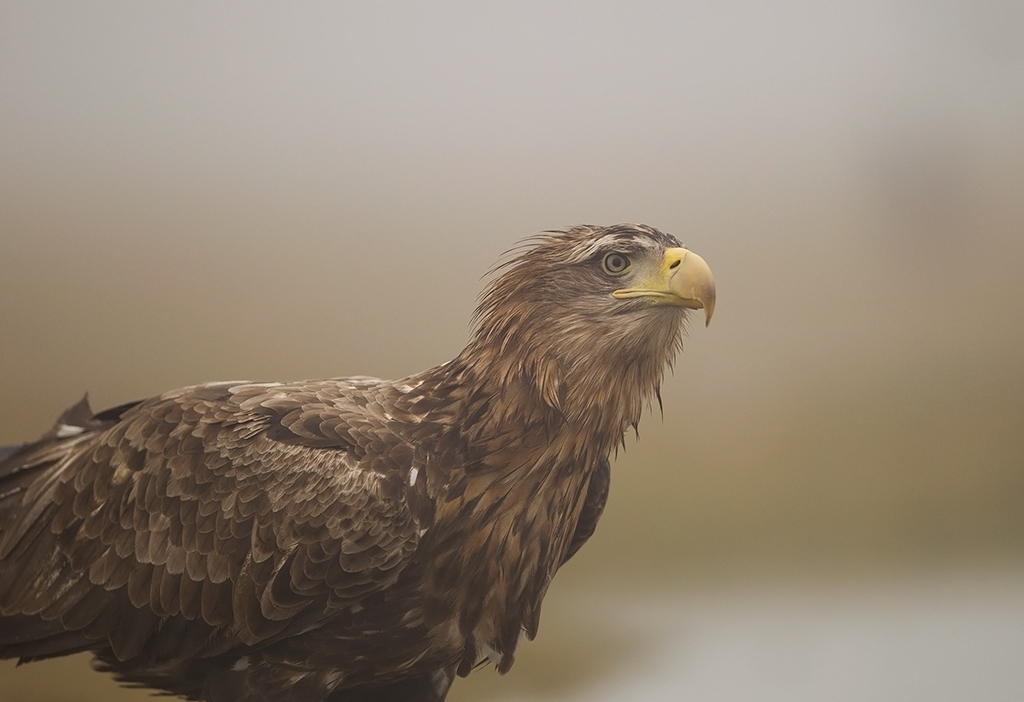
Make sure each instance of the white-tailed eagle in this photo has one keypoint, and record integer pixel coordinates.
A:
(350, 539)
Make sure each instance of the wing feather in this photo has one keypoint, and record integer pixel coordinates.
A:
(225, 508)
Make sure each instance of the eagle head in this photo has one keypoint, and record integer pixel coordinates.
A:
(591, 317)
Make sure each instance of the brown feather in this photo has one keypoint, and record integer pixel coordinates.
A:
(350, 538)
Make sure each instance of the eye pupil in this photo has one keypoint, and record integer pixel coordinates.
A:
(616, 263)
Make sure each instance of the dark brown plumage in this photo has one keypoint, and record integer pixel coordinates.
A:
(354, 538)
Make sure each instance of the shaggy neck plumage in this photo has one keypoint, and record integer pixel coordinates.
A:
(589, 374)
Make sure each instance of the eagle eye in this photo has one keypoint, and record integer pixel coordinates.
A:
(616, 263)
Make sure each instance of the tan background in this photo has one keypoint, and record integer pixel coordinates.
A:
(198, 191)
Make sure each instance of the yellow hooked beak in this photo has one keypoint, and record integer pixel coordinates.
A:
(682, 280)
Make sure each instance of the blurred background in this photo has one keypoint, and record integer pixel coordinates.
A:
(832, 506)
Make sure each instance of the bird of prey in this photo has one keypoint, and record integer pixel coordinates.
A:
(350, 539)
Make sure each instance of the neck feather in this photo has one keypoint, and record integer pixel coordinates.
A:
(590, 380)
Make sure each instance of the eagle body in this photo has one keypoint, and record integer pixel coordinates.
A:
(352, 538)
